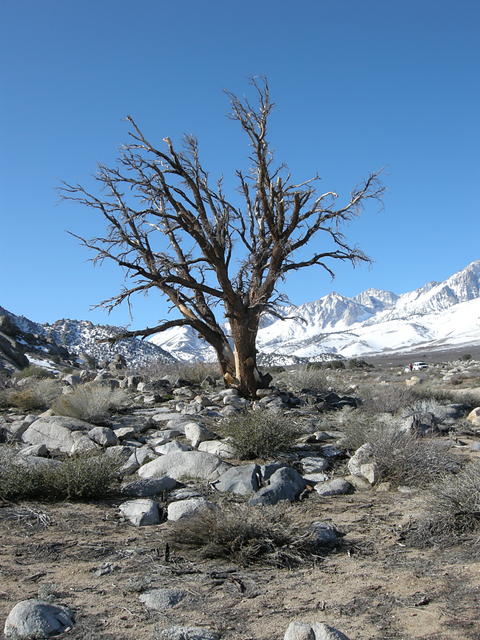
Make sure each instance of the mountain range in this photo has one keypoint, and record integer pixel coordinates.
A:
(437, 315)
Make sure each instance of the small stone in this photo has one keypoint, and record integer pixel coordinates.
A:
(335, 487)
(161, 599)
(142, 512)
(187, 508)
(185, 633)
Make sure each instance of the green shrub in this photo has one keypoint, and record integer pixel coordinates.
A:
(259, 434)
(92, 403)
(32, 371)
(246, 535)
(78, 478)
(451, 510)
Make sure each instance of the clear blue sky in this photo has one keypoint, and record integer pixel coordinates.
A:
(359, 85)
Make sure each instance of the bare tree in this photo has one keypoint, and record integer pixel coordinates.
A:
(174, 230)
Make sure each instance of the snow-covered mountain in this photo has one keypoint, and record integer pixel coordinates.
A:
(80, 337)
(437, 315)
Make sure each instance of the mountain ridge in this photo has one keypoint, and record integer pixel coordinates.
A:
(372, 322)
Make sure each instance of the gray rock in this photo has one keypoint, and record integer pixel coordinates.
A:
(83, 444)
(37, 450)
(242, 480)
(141, 512)
(335, 487)
(192, 464)
(313, 631)
(267, 470)
(148, 487)
(55, 432)
(161, 599)
(196, 433)
(103, 436)
(30, 619)
(285, 484)
(36, 462)
(314, 464)
(218, 448)
(326, 534)
(139, 456)
(162, 437)
(124, 432)
(363, 455)
(71, 379)
(299, 631)
(313, 478)
(172, 447)
(187, 508)
(185, 633)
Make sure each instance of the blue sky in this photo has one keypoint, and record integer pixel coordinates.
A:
(358, 86)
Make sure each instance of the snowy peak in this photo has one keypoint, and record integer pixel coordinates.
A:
(185, 344)
(376, 300)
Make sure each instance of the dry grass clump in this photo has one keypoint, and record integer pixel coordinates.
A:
(258, 434)
(92, 403)
(404, 459)
(37, 396)
(451, 510)
(266, 535)
(79, 478)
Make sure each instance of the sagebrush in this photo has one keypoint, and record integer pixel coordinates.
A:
(451, 510)
(82, 477)
(259, 434)
(38, 395)
(406, 459)
(268, 535)
(92, 403)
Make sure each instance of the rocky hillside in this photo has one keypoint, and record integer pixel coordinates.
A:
(23, 341)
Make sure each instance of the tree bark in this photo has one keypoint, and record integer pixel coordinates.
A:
(244, 328)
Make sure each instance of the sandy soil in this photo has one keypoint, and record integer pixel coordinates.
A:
(372, 588)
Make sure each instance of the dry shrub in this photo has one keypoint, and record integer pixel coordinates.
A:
(92, 403)
(305, 377)
(266, 535)
(78, 478)
(451, 510)
(194, 372)
(33, 371)
(404, 459)
(388, 398)
(359, 427)
(259, 434)
(37, 396)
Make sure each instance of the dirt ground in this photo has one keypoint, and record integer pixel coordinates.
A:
(374, 587)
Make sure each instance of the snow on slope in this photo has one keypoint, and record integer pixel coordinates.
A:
(436, 314)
